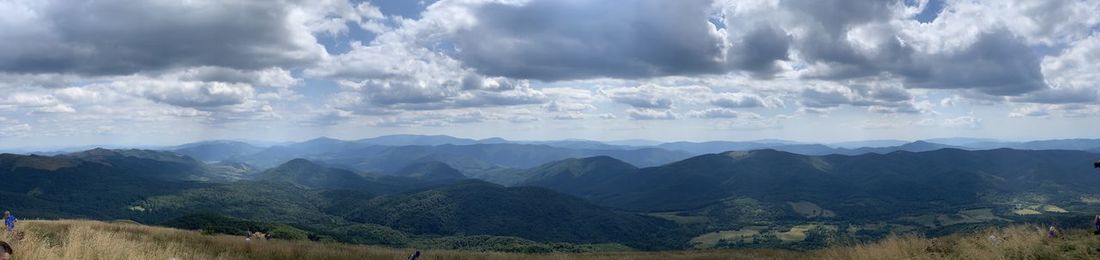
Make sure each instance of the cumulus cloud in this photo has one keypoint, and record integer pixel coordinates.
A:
(569, 99)
(743, 100)
(963, 122)
(650, 101)
(554, 40)
(35, 102)
(120, 61)
(326, 117)
(723, 113)
(1072, 75)
(997, 63)
(760, 50)
(435, 118)
(569, 116)
(557, 106)
(269, 77)
(960, 122)
(1061, 95)
(749, 124)
(651, 114)
(370, 98)
(650, 96)
(825, 98)
(125, 37)
(1038, 22)
(14, 130)
(883, 98)
(192, 93)
(1071, 110)
(333, 17)
(737, 63)
(640, 98)
(1078, 110)
(1030, 111)
(144, 99)
(974, 45)
(397, 75)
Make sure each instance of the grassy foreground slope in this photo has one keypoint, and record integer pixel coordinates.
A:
(77, 239)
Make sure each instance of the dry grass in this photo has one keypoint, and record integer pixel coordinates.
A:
(1016, 242)
(711, 239)
(82, 239)
(78, 239)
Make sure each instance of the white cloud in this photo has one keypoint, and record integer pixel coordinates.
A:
(435, 118)
(148, 36)
(881, 98)
(743, 100)
(15, 130)
(568, 99)
(749, 124)
(1040, 110)
(569, 116)
(963, 122)
(464, 64)
(190, 93)
(649, 96)
(38, 103)
(553, 40)
(651, 114)
(1030, 111)
(722, 113)
(1072, 75)
(397, 75)
(520, 119)
(641, 97)
(270, 77)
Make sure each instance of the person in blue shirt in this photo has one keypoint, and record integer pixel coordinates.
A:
(9, 221)
(1097, 222)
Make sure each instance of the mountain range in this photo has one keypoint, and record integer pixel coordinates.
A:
(406, 190)
(154, 187)
(638, 152)
(868, 185)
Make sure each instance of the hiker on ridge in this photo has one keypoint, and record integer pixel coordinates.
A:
(9, 221)
(1097, 223)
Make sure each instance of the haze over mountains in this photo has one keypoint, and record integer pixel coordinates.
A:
(218, 150)
(397, 190)
(390, 153)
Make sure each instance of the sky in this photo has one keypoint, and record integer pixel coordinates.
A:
(81, 72)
